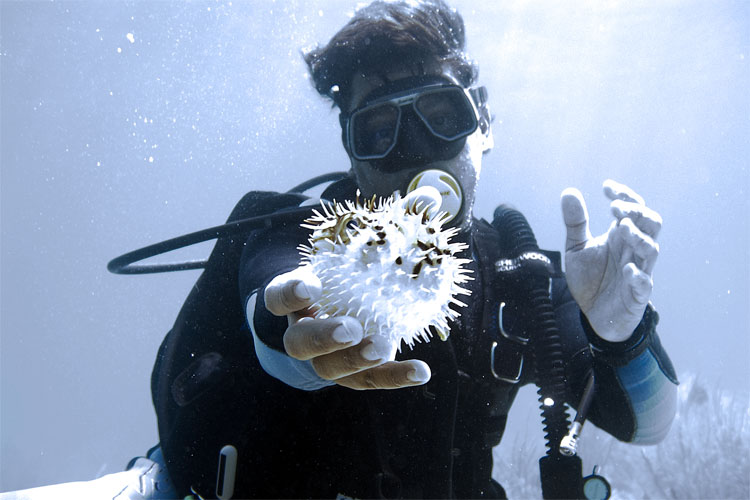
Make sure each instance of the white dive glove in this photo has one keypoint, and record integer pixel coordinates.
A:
(610, 276)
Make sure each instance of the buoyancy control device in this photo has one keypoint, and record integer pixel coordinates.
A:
(560, 468)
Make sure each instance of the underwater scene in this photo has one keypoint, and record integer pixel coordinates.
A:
(127, 123)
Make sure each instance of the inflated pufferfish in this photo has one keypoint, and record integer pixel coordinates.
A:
(389, 264)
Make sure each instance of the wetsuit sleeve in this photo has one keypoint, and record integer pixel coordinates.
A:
(635, 398)
(267, 254)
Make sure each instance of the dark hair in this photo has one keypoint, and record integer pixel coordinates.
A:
(410, 32)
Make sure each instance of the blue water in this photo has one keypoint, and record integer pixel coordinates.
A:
(124, 123)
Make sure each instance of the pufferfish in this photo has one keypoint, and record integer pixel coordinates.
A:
(390, 264)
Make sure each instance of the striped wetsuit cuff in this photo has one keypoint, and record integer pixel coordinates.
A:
(293, 372)
(652, 395)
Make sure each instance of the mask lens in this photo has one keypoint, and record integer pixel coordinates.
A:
(374, 130)
(447, 113)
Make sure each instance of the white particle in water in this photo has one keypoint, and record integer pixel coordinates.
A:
(130, 37)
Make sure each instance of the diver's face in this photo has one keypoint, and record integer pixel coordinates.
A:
(416, 149)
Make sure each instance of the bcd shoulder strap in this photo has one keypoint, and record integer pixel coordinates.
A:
(507, 318)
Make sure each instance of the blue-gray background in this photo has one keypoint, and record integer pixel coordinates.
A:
(125, 123)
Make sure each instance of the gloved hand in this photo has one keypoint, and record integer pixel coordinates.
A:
(336, 346)
(610, 276)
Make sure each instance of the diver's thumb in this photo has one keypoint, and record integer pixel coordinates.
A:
(576, 219)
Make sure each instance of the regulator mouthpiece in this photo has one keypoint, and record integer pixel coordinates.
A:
(447, 186)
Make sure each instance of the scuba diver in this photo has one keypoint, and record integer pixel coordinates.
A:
(255, 397)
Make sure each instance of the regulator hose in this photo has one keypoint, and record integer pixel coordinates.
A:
(126, 263)
(561, 475)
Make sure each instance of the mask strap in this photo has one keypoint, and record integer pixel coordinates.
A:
(480, 97)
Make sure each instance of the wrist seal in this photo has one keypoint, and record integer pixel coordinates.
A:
(620, 353)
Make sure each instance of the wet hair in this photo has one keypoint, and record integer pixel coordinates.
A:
(408, 32)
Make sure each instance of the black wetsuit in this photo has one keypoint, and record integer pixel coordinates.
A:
(431, 441)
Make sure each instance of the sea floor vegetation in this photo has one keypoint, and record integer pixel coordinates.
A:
(706, 454)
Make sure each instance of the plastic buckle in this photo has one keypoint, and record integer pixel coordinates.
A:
(506, 377)
(511, 355)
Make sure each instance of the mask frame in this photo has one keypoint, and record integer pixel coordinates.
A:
(474, 98)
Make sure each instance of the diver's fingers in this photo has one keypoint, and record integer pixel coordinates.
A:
(309, 337)
(372, 351)
(639, 284)
(617, 191)
(646, 219)
(637, 246)
(390, 375)
(292, 291)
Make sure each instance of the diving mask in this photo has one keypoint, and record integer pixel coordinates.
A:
(448, 111)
